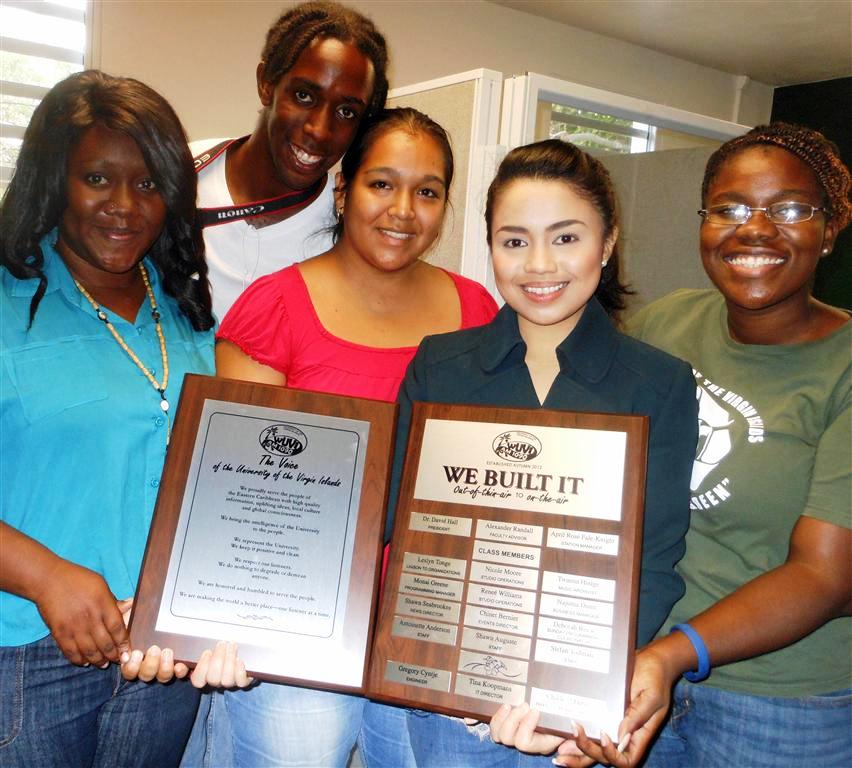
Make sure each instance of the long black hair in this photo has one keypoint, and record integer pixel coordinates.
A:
(407, 119)
(36, 197)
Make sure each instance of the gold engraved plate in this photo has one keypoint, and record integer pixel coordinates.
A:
(434, 565)
(430, 586)
(493, 642)
(422, 677)
(427, 608)
(452, 526)
(427, 631)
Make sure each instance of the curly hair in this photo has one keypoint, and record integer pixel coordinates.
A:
(811, 147)
(36, 197)
(298, 27)
(406, 119)
(555, 160)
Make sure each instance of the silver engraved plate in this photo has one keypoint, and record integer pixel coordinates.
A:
(500, 597)
(434, 565)
(498, 691)
(489, 665)
(421, 677)
(494, 642)
(495, 552)
(428, 631)
(444, 524)
(501, 621)
(504, 575)
(431, 586)
(511, 533)
(427, 608)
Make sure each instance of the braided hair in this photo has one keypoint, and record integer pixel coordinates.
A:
(296, 29)
(36, 196)
(811, 147)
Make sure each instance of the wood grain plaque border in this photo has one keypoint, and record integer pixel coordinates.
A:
(462, 643)
(265, 660)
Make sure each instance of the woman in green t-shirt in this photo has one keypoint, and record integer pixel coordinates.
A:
(767, 572)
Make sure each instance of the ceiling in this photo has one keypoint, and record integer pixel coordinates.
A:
(777, 42)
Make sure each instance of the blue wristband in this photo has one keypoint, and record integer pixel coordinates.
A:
(703, 671)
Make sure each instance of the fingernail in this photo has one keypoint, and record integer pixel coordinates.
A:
(136, 656)
(574, 728)
(605, 739)
(104, 665)
(622, 745)
(168, 654)
(125, 657)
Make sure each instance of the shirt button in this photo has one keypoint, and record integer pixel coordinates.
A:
(155, 483)
(159, 422)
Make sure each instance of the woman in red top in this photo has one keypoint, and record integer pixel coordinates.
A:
(348, 322)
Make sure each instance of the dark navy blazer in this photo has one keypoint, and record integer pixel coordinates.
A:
(603, 371)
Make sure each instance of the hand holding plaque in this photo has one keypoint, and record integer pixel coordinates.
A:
(514, 565)
(267, 531)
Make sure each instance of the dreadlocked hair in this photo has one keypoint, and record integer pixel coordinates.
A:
(811, 147)
(299, 27)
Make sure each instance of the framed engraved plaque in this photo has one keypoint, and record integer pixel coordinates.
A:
(514, 567)
(268, 531)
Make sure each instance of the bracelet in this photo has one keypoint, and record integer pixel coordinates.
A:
(703, 671)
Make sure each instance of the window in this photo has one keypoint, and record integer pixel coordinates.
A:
(595, 131)
(42, 43)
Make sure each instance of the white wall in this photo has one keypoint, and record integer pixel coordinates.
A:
(202, 55)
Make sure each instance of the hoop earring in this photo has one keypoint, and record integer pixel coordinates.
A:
(339, 215)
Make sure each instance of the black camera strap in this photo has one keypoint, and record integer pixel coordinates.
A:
(211, 217)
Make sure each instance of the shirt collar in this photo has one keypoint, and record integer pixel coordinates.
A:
(588, 351)
(59, 278)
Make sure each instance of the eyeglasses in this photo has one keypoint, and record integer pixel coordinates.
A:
(736, 214)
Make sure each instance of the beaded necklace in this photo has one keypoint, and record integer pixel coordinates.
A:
(102, 316)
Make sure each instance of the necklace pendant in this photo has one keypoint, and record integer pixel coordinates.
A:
(164, 404)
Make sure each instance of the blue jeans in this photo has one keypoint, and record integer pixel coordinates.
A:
(712, 728)
(446, 742)
(53, 713)
(383, 741)
(274, 725)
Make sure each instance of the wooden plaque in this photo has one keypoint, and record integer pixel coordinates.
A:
(268, 531)
(514, 565)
